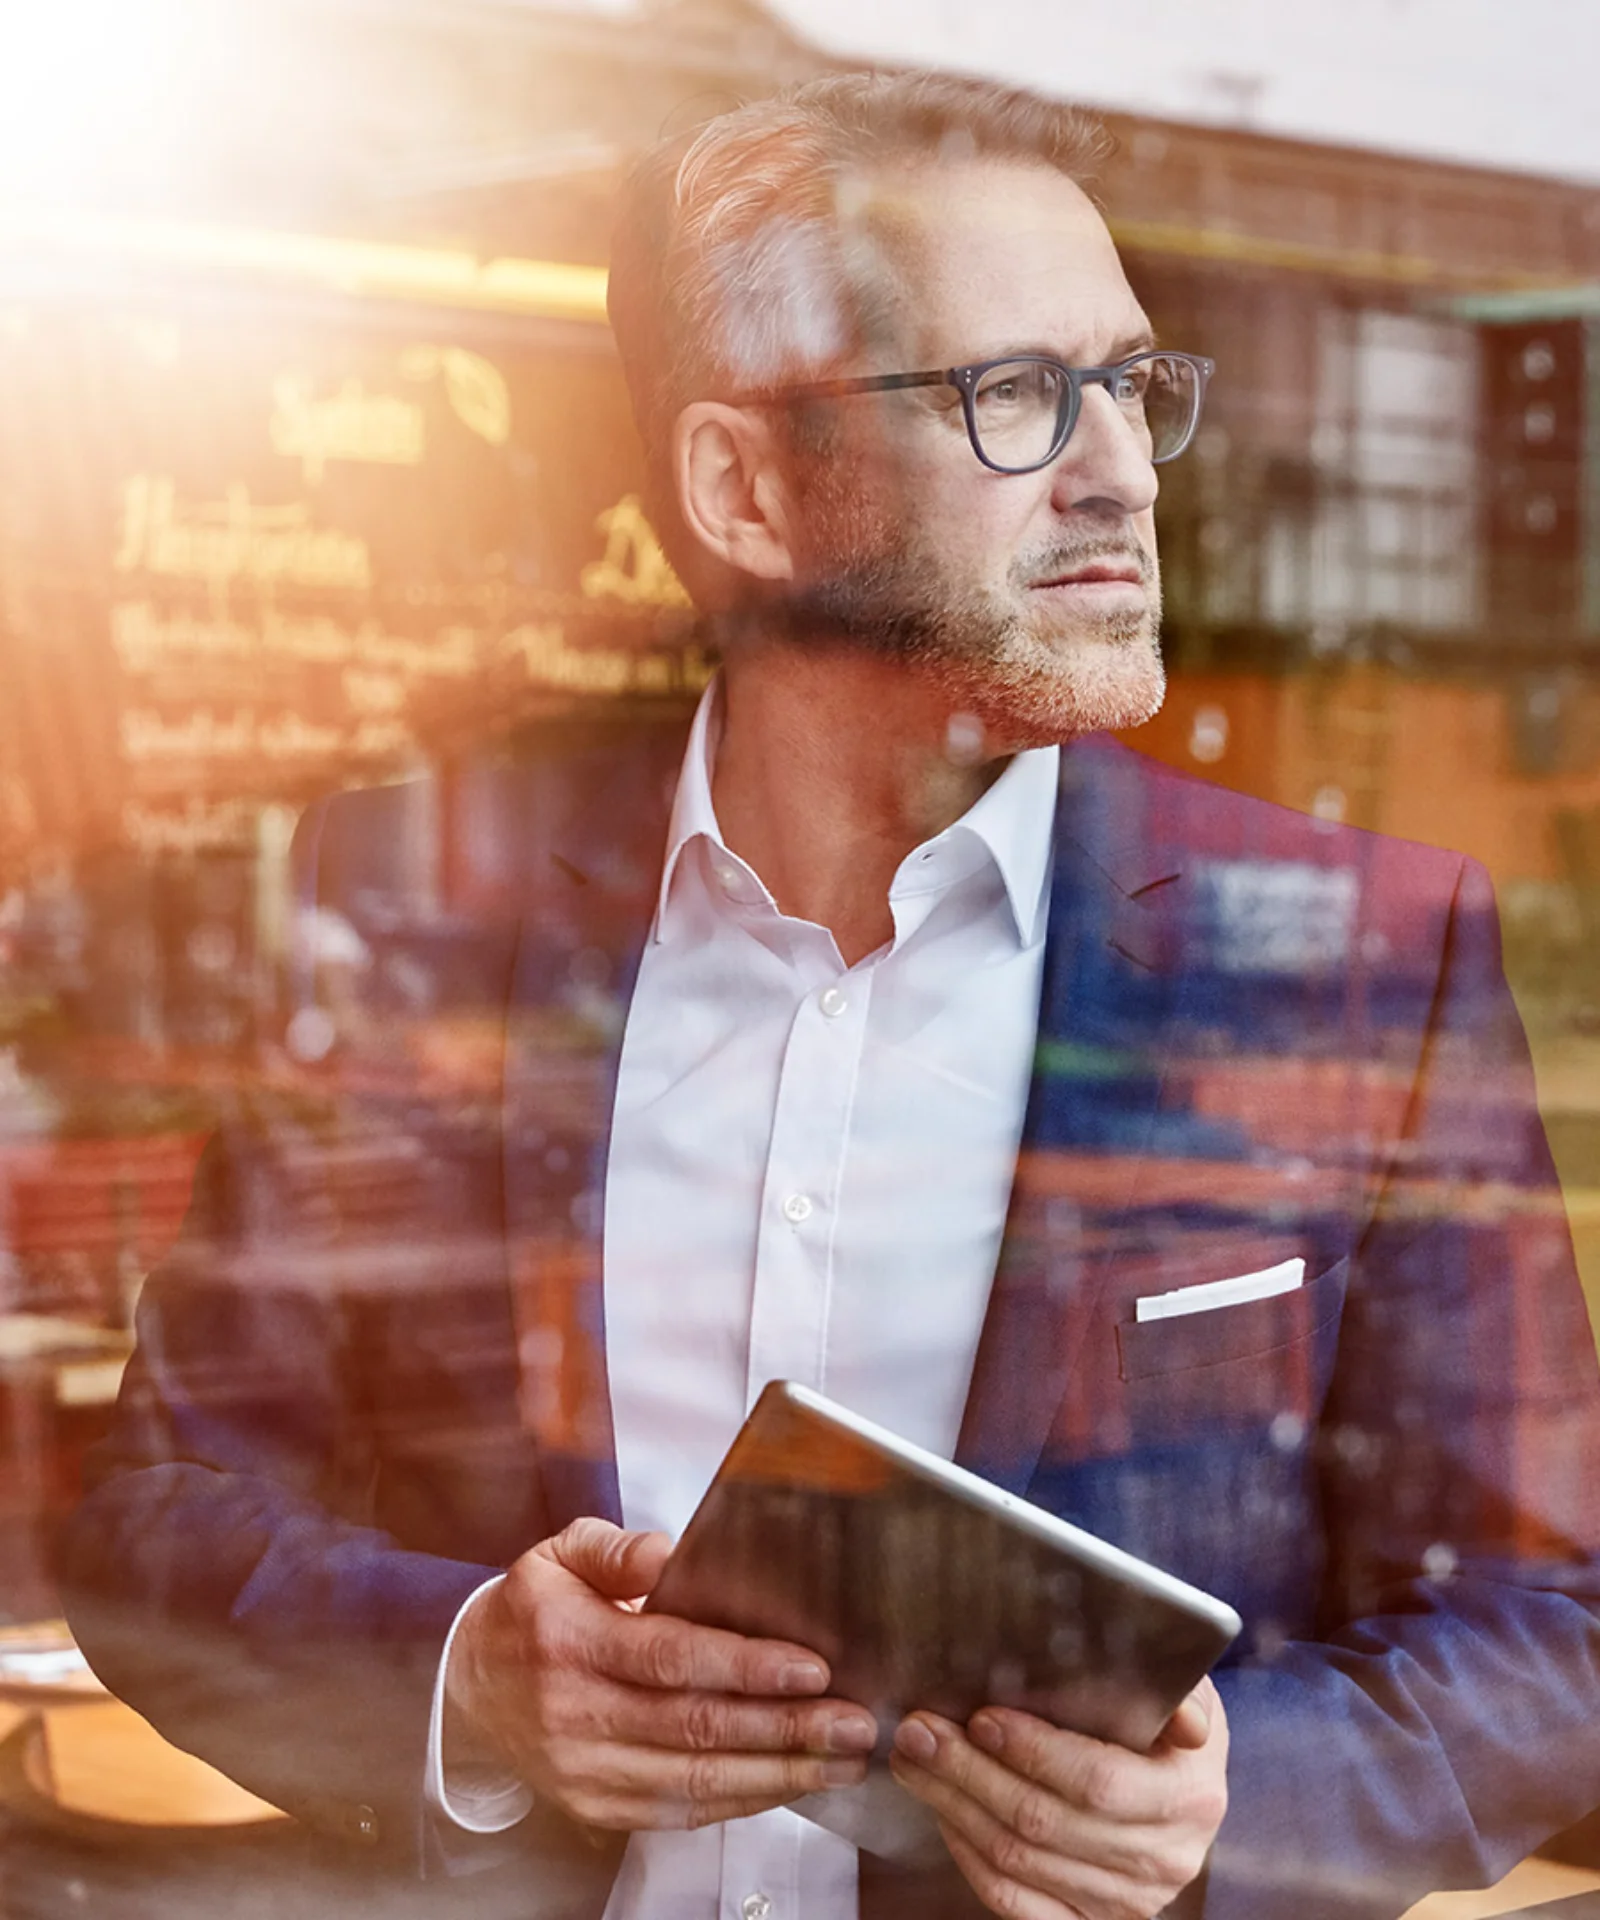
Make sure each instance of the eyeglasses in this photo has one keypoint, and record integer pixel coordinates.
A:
(1020, 412)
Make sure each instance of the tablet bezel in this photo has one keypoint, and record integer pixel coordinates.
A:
(696, 1581)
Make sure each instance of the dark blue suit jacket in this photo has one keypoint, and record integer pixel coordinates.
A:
(374, 1370)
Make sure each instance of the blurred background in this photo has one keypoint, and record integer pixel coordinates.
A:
(316, 470)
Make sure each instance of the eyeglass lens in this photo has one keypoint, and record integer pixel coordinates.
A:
(1020, 408)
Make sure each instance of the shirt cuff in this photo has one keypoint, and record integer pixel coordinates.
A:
(476, 1798)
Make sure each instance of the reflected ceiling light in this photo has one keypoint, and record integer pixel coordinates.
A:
(438, 276)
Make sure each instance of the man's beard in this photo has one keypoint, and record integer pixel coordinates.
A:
(871, 590)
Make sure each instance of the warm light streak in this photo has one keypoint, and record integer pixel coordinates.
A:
(433, 275)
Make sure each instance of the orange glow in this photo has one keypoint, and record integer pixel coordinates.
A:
(434, 275)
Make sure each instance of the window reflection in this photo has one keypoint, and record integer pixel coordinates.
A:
(299, 498)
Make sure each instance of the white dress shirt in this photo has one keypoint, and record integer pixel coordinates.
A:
(809, 1172)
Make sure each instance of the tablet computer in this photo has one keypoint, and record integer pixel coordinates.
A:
(923, 1585)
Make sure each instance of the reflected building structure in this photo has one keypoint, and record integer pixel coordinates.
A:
(311, 484)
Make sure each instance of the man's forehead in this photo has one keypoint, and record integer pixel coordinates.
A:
(986, 244)
(1019, 195)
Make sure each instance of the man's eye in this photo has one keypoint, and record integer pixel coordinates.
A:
(1013, 387)
(1131, 385)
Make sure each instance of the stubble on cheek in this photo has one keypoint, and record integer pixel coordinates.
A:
(1027, 672)
(1045, 670)
(1039, 689)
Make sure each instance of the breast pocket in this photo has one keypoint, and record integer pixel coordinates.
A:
(1263, 1360)
(1215, 1413)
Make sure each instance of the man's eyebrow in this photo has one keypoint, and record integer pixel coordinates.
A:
(1141, 340)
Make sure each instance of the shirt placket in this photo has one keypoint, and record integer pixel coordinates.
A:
(800, 1194)
(762, 1859)
(761, 1870)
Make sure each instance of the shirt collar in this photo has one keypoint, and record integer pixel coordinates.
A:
(693, 815)
(1014, 819)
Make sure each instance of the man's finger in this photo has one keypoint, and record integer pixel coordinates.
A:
(997, 1890)
(1190, 1727)
(952, 1774)
(654, 1650)
(634, 1814)
(620, 1565)
(1005, 1850)
(1032, 1835)
(687, 1789)
(693, 1722)
(1095, 1777)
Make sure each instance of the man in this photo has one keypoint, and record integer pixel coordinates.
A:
(955, 1037)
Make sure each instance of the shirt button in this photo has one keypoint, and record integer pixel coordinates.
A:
(727, 876)
(755, 1906)
(796, 1208)
(832, 1002)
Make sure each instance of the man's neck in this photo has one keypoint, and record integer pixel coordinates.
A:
(832, 767)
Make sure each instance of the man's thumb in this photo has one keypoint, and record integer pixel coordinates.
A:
(618, 1564)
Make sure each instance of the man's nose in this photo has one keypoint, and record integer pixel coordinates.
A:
(1105, 466)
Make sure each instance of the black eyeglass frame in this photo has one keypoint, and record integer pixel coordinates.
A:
(965, 381)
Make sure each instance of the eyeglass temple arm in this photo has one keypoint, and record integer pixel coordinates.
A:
(865, 383)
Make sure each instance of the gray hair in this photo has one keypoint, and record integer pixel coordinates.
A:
(741, 257)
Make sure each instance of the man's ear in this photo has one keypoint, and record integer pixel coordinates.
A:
(731, 489)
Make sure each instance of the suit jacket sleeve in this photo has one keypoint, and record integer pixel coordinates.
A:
(316, 1458)
(1449, 1719)
(222, 1574)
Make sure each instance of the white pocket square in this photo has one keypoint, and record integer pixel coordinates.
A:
(1283, 1278)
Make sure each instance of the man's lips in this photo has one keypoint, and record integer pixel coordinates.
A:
(1096, 573)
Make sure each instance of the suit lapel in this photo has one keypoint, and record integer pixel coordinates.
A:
(1112, 972)
(579, 945)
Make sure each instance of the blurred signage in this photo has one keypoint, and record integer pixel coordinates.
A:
(1277, 916)
(253, 556)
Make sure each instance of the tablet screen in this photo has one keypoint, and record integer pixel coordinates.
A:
(922, 1587)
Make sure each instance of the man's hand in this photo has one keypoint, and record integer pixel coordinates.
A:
(630, 1720)
(1048, 1825)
